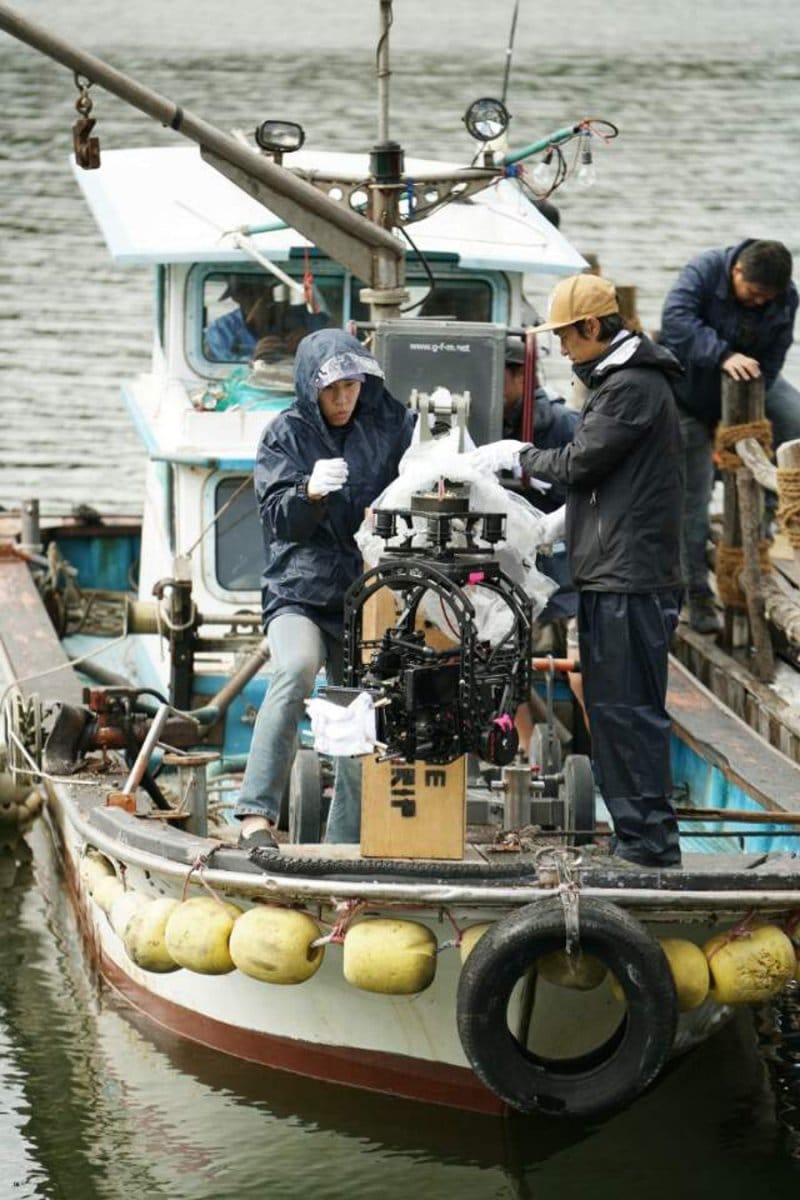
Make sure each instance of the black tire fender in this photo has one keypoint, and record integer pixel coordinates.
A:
(590, 1085)
(305, 797)
(577, 791)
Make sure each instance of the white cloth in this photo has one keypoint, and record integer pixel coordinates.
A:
(328, 475)
(554, 525)
(343, 731)
(497, 456)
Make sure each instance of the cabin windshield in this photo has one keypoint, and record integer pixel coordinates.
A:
(248, 314)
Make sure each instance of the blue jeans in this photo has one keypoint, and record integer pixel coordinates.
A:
(299, 649)
(783, 410)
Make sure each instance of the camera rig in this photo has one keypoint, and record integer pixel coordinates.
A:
(438, 704)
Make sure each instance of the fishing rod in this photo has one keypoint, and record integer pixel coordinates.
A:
(509, 51)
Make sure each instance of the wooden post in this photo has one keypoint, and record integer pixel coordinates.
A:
(763, 662)
(742, 402)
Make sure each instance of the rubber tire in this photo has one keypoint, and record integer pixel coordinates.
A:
(305, 798)
(578, 794)
(544, 748)
(611, 1075)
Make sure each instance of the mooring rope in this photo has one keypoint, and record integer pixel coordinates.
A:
(728, 435)
(789, 504)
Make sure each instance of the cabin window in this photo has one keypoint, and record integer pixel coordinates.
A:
(238, 542)
(461, 299)
(160, 297)
(248, 315)
(234, 316)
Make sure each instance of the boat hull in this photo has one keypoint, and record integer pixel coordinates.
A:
(324, 1029)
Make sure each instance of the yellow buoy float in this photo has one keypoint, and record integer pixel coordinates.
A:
(19, 803)
(750, 967)
(145, 939)
(122, 909)
(94, 866)
(198, 933)
(275, 945)
(583, 972)
(393, 957)
(470, 937)
(689, 969)
(106, 891)
(690, 973)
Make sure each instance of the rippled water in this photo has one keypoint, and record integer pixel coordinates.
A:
(94, 1102)
(92, 1105)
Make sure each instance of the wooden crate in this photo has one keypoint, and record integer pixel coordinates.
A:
(410, 810)
(413, 810)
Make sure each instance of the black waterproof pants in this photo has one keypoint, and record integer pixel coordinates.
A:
(624, 643)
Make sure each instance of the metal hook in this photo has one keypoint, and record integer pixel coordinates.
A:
(84, 102)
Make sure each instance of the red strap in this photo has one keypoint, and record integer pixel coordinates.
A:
(528, 387)
(308, 283)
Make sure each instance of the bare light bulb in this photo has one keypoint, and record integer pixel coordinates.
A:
(586, 175)
(544, 173)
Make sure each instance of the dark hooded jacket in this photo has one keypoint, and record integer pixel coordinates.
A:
(623, 472)
(311, 557)
(703, 323)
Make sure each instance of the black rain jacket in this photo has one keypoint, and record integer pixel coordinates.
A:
(311, 557)
(623, 472)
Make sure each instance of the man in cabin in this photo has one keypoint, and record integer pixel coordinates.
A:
(622, 474)
(320, 464)
(730, 310)
(263, 324)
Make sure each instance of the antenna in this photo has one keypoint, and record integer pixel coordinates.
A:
(382, 69)
(510, 50)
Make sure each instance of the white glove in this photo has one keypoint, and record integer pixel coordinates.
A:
(328, 475)
(497, 456)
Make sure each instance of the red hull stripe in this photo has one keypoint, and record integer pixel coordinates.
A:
(371, 1070)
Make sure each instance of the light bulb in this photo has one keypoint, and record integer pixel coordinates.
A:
(544, 172)
(587, 174)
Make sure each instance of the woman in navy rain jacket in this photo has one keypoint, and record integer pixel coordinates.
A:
(320, 464)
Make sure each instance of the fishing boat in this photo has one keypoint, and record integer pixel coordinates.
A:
(517, 969)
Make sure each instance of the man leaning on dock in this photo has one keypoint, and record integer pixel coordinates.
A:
(622, 472)
(730, 310)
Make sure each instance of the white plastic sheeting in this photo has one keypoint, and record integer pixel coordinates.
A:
(526, 529)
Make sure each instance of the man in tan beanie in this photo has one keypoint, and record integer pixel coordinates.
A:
(622, 472)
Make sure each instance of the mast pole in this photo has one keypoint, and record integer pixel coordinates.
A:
(383, 71)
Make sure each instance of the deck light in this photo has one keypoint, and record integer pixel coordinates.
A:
(544, 173)
(280, 137)
(587, 173)
(486, 119)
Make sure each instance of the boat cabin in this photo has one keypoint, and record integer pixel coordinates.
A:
(232, 284)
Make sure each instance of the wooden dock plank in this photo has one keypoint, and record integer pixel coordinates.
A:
(30, 646)
(724, 740)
